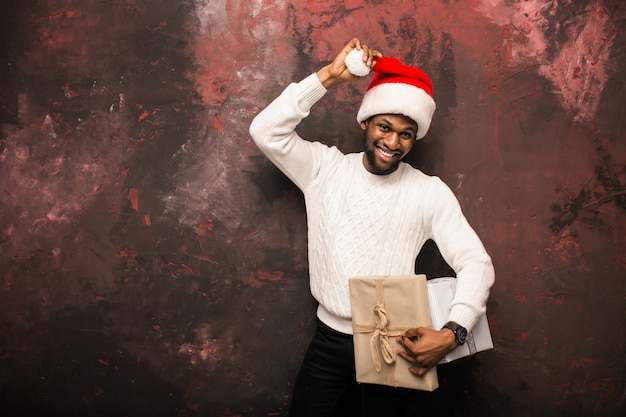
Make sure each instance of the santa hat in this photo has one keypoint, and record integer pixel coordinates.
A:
(399, 89)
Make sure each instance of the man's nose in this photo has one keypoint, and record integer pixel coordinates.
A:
(392, 140)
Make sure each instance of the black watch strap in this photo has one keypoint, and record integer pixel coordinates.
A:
(460, 332)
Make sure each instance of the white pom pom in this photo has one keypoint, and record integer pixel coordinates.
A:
(355, 64)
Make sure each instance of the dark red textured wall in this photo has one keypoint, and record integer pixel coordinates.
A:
(153, 262)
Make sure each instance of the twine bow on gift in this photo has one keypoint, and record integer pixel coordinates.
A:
(381, 338)
(381, 343)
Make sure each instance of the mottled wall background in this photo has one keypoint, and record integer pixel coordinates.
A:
(153, 262)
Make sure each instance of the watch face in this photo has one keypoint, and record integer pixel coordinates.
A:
(461, 335)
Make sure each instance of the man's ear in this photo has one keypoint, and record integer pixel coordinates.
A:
(364, 124)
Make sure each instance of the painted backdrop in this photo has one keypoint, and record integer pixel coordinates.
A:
(153, 262)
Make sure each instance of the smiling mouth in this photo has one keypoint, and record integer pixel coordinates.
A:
(386, 154)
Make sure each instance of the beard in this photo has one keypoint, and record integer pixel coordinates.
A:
(371, 159)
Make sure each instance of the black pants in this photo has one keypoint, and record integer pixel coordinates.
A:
(326, 383)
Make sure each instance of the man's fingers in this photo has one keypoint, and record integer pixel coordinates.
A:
(409, 343)
(414, 332)
(417, 360)
(406, 356)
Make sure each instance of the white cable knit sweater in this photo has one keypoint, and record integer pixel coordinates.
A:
(361, 224)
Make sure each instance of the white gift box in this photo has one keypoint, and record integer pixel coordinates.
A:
(440, 294)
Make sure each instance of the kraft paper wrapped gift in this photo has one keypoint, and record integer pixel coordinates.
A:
(440, 294)
(383, 308)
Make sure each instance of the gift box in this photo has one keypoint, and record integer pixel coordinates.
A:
(440, 294)
(382, 309)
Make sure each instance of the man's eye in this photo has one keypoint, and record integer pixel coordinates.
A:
(383, 127)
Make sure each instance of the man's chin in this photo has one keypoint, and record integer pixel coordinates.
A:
(377, 168)
(380, 169)
(386, 171)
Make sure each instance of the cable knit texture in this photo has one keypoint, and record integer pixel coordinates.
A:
(362, 224)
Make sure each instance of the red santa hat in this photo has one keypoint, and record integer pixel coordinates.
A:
(399, 89)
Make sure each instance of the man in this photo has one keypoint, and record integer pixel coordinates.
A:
(368, 214)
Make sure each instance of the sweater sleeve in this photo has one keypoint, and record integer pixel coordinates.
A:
(273, 130)
(461, 247)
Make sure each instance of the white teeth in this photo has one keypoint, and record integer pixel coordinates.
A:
(385, 154)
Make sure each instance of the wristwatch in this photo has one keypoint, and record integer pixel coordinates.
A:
(460, 332)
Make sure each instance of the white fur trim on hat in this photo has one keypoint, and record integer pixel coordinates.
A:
(399, 98)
